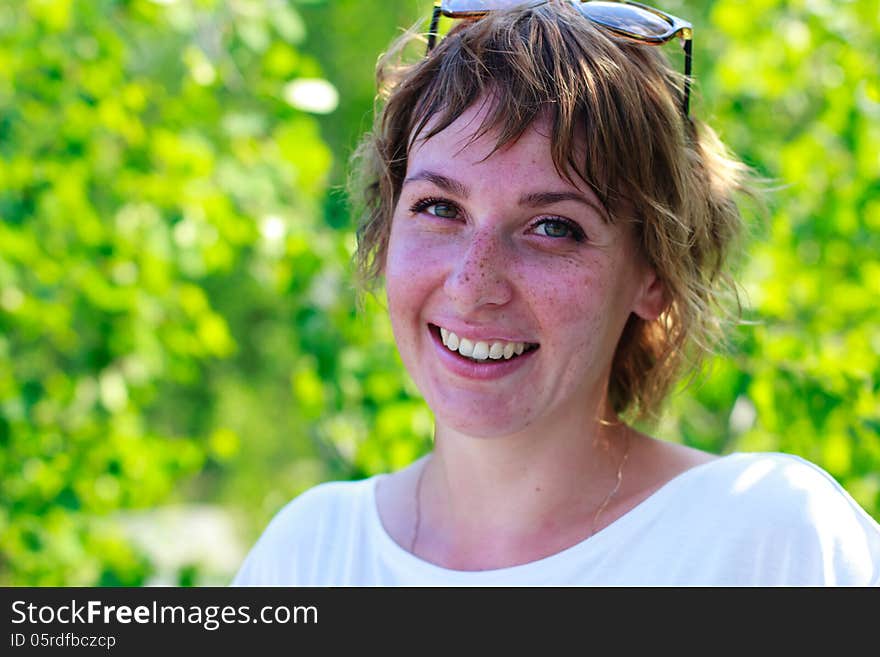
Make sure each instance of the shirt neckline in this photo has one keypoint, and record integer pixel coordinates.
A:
(538, 568)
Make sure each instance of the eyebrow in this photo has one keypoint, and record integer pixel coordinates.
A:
(539, 199)
(443, 182)
(531, 199)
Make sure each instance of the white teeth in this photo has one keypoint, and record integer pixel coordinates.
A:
(480, 350)
(452, 341)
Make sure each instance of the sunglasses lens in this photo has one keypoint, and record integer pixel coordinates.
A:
(478, 7)
(627, 18)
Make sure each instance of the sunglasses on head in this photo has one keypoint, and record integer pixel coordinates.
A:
(630, 20)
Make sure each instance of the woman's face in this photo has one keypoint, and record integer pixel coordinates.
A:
(507, 287)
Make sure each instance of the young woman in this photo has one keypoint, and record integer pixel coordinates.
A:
(552, 228)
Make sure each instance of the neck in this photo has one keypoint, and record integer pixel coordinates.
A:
(521, 495)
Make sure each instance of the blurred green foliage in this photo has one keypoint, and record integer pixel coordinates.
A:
(794, 89)
(177, 317)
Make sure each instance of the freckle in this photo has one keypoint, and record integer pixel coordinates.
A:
(537, 489)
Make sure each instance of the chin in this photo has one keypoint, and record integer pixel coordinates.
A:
(480, 431)
(482, 426)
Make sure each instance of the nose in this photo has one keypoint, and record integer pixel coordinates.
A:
(479, 275)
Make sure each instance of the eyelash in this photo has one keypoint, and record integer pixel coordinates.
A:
(425, 203)
(577, 233)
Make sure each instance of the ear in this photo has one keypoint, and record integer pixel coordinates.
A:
(652, 298)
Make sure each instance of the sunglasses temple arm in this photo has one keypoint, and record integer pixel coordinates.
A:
(688, 50)
(432, 30)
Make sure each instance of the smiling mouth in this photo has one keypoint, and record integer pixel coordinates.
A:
(481, 351)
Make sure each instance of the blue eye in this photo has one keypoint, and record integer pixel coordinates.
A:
(445, 210)
(559, 228)
(437, 207)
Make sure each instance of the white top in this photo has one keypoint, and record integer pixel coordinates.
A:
(741, 520)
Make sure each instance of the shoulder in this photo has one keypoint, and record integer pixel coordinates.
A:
(332, 497)
(773, 482)
(786, 476)
(303, 528)
(787, 507)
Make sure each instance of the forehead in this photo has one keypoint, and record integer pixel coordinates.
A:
(468, 133)
(467, 143)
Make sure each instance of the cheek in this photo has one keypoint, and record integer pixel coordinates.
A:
(412, 270)
(580, 305)
(568, 294)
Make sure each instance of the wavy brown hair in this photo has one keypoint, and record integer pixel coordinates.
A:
(615, 111)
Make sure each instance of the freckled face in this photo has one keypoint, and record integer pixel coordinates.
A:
(503, 249)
